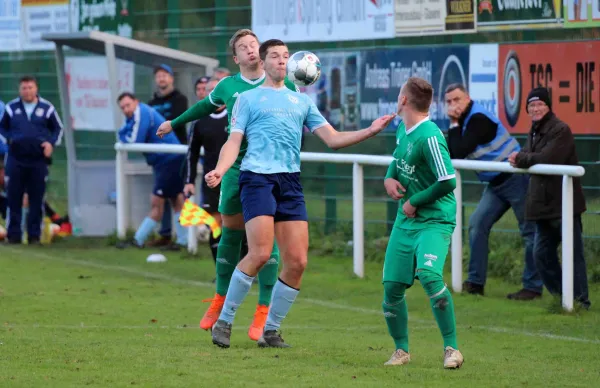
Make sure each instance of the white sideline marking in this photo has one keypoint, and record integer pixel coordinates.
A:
(317, 302)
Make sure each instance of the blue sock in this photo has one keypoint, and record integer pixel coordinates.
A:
(180, 231)
(283, 298)
(24, 212)
(147, 226)
(238, 289)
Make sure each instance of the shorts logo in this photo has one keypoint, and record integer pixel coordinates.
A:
(429, 263)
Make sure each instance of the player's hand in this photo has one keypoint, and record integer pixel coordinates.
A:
(47, 149)
(164, 128)
(189, 189)
(512, 159)
(213, 178)
(394, 189)
(409, 210)
(381, 123)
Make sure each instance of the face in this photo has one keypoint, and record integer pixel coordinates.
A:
(163, 79)
(246, 51)
(402, 101)
(201, 91)
(128, 106)
(28, 91)
(537, 110)
(276, 61)
(456, 103)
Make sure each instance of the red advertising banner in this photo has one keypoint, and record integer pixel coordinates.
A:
(571, 71)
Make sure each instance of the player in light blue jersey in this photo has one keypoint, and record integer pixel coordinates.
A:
(271, 118)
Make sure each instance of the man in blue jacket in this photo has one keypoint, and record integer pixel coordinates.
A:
(31, 128)
(140, 127)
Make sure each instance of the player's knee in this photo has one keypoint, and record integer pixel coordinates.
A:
(432, 282)
(393, 292)
(260, 255)
(296, 262)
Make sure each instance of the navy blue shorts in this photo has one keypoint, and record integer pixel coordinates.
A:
(276, 195)
(168, 181)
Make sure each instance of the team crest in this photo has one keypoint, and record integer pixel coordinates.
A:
(39, 112)
(292, 99)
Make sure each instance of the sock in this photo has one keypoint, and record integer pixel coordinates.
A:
(144, 230)
(240, 285)
(441, 304)
(283, 298)
(395, 311)
(228, 256)
(24, 213)
(180, 231)
(267, 277)
(214, 244)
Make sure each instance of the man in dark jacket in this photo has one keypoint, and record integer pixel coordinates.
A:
(550, 141)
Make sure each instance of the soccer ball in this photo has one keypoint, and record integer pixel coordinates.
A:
(303, 68)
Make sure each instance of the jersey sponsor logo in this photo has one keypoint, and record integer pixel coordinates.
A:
(405, 167)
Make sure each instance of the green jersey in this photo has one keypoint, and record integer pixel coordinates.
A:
(420, 160)
(225, 93)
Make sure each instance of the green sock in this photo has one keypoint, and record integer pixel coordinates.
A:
(395, 311)
(442, 306)
(267, 277)
(228, 256)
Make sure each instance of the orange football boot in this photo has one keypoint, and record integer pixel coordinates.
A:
(258, 324)
(212, 314)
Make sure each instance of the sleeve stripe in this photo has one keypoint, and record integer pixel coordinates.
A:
(446, 177)
(212, 102)
(437, 156)
(136, 125)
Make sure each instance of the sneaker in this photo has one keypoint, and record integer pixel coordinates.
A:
(400, 357)
(258, 324)
(123, 244)
(214, 310)
(160, 242)
(221, 333)
(472, 288)
(172, 247)
(453, 359)
(272, 339)
(524, 294)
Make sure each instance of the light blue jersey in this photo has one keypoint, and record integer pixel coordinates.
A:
(272, 121)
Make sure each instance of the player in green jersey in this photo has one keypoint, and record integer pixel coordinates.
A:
(422, 178)
(244, 45)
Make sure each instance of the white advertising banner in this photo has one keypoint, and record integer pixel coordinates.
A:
(10, 25)
(322, 20)
(89, 91)
(483, 75)
(40, 17)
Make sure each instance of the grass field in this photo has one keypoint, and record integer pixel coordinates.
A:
(83, 314)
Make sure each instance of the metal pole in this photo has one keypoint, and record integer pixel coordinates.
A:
(567, 243)
(457, 244)
(358, 224)
(121, 194)
(113, 83)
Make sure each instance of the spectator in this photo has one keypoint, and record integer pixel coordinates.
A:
(550, 141)
(476, 134)
(200, 87)
(169, 103)
(221, 73)
(140, 127)
(31, 127)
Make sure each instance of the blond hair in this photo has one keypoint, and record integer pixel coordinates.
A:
(239, 34)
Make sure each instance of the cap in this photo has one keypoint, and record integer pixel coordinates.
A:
(164, 67)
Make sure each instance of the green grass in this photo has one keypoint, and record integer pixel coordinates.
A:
(82, 314)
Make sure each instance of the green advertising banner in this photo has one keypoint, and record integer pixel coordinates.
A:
(581, 13)
(518, 14)
(112, 16)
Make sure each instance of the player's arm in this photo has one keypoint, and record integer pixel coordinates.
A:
(556, 151)
(134, 130)
(55, 126)
(193, 154)
(229, 152)
(5, 126)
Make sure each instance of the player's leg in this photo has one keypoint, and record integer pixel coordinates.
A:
(210, 203)
(36, 189)
(15, 189)
(398, 276)
(431, 251)
(151, 221)
(180, 231)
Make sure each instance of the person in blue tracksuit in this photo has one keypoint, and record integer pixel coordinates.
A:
(140, 127)
(31, 128)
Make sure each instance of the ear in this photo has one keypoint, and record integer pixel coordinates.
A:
(236, 60)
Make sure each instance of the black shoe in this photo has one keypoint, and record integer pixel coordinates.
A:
(33, 241)
(173, 247)
(123, 244)
(13, 241)
(272, 339)
(524, 294)
(221, 334)
(472, 288)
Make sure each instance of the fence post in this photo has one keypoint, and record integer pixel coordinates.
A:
(121, 194)
(192, 240)
(567, 243)
(358, 222)
(457, 244)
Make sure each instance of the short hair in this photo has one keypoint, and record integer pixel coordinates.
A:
(223, 70)
(455, 86)
(239, 34)
(419, 93)
(201, 80)
(126, 94)
(28, 78)
(264, 48)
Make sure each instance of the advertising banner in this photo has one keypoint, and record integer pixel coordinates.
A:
(483, 75)
(322, 21)
(514, 14)
(40, 17)
(571, 71)
(10, 25)
(89, 91)
(424, 17)
(385, 71)
(112, 16)
(581, 13)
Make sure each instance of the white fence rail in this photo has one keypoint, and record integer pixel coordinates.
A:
(357, 161)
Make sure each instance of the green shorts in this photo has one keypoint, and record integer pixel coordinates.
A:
(411, 250)
(229, 198)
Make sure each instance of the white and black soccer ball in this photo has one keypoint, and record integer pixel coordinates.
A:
(303, 68)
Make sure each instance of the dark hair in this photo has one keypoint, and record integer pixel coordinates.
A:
(239, 34)
(126, 94)
(201, 80)
(28, 78)
(419, 93)
(453, 87)
(264, 48)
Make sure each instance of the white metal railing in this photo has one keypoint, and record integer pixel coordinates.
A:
(357, 161)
